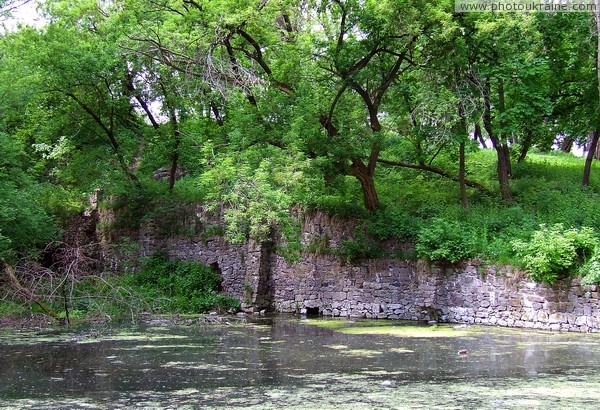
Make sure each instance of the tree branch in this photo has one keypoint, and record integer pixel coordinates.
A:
(259, 58)
(435, 170)
(26, 293)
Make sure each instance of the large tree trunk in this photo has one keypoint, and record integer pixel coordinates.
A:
(367, 183)
(590, 144)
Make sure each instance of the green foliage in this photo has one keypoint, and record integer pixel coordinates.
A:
(291, 249)
(181, 286)
(590, 271)
(258, 190)
(393, 223)
(447, 241)
(357, 248)
(25, 227)
(342, 205)
(12, 309)
(555, 252)
(307, 95)
(319, 246)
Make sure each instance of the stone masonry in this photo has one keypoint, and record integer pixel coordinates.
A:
(376, 288)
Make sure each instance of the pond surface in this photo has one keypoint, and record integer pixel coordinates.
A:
(287, 362)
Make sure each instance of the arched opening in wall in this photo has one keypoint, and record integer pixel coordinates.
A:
(312, 311)
(216, 269)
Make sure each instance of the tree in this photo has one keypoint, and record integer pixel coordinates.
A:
(507, 66)
(353, 52)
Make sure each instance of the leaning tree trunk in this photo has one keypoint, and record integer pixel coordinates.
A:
(367, 184)
(566, 144)
(478, 136)
(525, 145)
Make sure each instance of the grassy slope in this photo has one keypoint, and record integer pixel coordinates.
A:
(547, 190)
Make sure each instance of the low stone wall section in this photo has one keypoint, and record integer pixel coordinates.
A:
(469, 293)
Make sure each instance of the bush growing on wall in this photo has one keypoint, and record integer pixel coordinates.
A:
(446, 241)
(591, 271)
(555, 252)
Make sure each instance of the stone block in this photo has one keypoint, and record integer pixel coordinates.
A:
(557, 318)
(542, 316)
(339, 296)
(376, 308)
(312, 303)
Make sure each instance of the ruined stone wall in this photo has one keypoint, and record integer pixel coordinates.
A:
(321, 282)
(194, 234)
(393, 289)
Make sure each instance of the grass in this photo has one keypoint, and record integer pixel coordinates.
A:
(546, 188)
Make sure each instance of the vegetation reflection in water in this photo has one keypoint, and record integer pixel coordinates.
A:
(288, 362)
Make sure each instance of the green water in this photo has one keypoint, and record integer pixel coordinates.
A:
(286, 362)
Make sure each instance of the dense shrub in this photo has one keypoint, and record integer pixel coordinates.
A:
(393, 223)
(360, 247)
(181, 286)
(591, 271)
(555, 252)
(447, 241)
(25, 227)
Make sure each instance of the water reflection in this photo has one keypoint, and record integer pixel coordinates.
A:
(287, 362)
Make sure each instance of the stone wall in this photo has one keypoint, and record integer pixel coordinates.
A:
(393, 289)
(378, 288)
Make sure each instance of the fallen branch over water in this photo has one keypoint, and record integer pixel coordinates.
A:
(25, 293)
